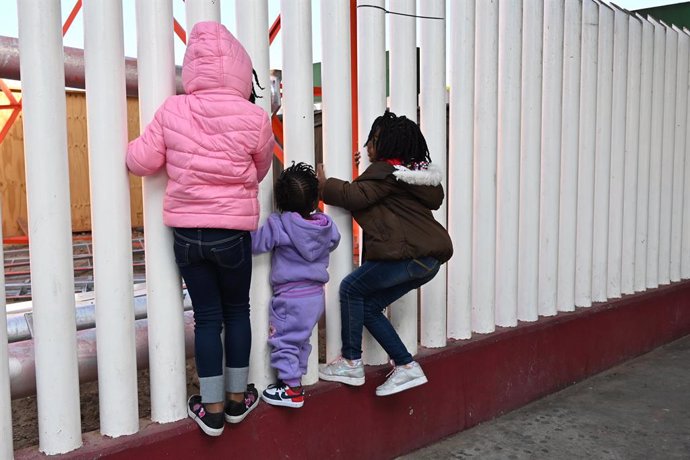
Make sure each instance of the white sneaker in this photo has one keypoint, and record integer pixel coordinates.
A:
(402, 378)
(342, 371)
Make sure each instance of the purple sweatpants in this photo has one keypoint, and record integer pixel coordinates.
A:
(293, 315)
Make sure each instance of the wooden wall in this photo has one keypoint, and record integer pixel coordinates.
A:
(12, 177)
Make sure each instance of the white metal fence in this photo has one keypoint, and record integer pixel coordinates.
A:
(566, 175)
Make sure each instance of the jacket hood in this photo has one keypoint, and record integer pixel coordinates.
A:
(423, 184)
(216, 60)
(312, 238)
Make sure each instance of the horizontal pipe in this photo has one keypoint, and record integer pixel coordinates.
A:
(74, 67)
(20, 324)
(23, 365)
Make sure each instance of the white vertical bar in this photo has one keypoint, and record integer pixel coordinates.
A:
(632, 131)
(587, 142)
(110, 216)
(485, 144)
(508, 161)
(685, 237)
(550, 155)
(617, 173)
(679, 205)
(371, 103)
(403, 101)
(201, 10)
(646, 71)
(337, 149)
(572, 28)
(530, 154)
(47, 181)
(655, 155)
(667, 149)
(460, 165)
(251, 19)
(163, 293)
(298, 107)
(433, 125)
(6, 447)
(602, 160)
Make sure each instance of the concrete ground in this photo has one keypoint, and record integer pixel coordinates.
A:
(637, 410)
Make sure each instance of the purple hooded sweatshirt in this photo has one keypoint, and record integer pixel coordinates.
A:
(300, 246)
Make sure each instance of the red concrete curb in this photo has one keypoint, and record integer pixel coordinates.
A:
(469, 382)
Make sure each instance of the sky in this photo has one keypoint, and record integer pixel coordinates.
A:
(74, 37)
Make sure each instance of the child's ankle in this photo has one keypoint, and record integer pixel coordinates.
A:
(294, 384)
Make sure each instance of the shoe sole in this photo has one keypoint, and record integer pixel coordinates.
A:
(205, 428)
(405, 386)
(239, 418)
(352, 381)
(282, 403)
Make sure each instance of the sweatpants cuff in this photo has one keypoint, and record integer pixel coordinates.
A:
(236, 379)
(211, 389)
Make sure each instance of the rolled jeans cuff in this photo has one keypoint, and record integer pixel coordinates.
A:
(236, 379)
(211, 389)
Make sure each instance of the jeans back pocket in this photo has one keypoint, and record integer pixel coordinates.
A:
(181, 250)
(231, 254)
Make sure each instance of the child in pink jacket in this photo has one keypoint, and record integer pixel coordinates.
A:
(216, 146)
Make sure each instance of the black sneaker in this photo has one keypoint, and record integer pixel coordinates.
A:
(210, 423)
(280, 394)
(236, 411)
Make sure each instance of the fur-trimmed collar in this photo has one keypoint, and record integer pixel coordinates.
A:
(430, 176)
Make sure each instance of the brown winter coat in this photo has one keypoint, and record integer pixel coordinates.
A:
(393, 207)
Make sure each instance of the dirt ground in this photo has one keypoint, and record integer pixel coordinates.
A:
(25, 414)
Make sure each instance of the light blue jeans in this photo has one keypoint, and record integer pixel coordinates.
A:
(367, 291)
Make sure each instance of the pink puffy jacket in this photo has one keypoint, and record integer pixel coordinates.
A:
(216, 146)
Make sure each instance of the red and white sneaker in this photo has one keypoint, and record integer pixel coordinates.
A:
(280, 394)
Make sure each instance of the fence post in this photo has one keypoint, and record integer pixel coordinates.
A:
(251, 19)
(617, 174)
(655, 155)
(679, 205)
(7, 448)
(432, 113)
(461, 140)
(685, 237)
(337, 150)
(667, 149)
(570, 125)
(298, 107)
(602, 158)
(47, 178)
(551, 115)
(632, 153)
(371, 101)
(163, 286)
(110, 216)
(530, 135)
(644, 142)
(508, 161)
(485, 143)
(403, 101)
(585, 166)
(201, 10)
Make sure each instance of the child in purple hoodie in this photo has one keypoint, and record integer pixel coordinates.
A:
(301, 241)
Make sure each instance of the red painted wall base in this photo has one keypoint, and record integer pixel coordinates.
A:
(469, 382)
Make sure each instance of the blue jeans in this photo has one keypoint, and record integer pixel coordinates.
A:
(216, 265)
(367, 291)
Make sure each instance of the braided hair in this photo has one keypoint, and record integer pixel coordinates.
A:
(255, 95)
(398, 138)
(297, 189)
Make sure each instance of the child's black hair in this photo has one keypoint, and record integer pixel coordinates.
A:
(398, 137)
(297, 189)
(255, 95)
